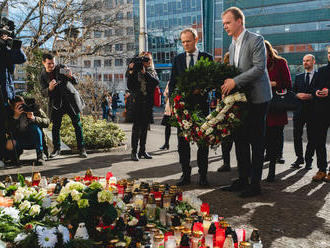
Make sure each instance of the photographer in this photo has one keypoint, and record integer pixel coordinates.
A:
(10, 54)
(57, 83)
(141, 81)
(25, 123)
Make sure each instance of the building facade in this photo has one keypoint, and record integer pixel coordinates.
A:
(293, 27)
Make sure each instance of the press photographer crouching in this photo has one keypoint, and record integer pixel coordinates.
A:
(141, 81)
(57, 84)
(10, 54)
(25, 123)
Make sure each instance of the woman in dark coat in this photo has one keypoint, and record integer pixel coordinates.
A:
(280, 79)
(141, 81)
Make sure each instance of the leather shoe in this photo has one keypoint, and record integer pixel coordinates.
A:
(203, 182)
(183, 181)
(224, 168)
(296, 164)
(164, 147)
(55, 153)
(134, 156)
(237, 185)
(145, 155)
(308, 166)
(280, 160)
(251, 191)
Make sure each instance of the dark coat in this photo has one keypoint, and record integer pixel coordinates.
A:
(322, 80)
(178, 67)
(300, 86)
(64, 92)
(9, 57)
(142, 104)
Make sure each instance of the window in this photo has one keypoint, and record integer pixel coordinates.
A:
(107, 62)
(87, 63)
(129, 31)
(107, 32)
(107, 48)
(119, 32)
(129, 1)
(108, 3)
(120, 16)
(130, 47)
(97, 34)
(97, 63)
(107, 77)
(119, 47)
(118, 62)
(129, 15)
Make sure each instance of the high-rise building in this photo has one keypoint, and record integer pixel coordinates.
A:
(293, 27)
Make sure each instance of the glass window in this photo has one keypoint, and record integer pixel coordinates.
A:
(107, 62)
(107, 48)
(130, 47)
(107, 32)
(129, 31)
(119, 47)
(129, 15)
(97, 63)
(118, 62)
(119, 32)
(108, 3)
(120, 16)
(97, 34)
(87, 63)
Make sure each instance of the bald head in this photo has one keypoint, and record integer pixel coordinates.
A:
(308, 62)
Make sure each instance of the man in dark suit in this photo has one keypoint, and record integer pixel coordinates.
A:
(303, 115)
(189, 39)
(321, 120)
(57, 83)
(247, 52)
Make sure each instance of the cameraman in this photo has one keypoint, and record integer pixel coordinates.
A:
(9, 57)
(57, 83)
(141, 81)
(25, 123)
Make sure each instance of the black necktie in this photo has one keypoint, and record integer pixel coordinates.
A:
(191, 63)
(307, 78)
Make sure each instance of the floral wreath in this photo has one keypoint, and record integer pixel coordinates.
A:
(213, 129)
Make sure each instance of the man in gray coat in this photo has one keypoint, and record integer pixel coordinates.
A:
(248, 53)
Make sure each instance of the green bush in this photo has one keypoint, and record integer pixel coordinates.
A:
(98, 134)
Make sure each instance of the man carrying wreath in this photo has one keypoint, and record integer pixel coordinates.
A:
(189, 40)
(247, 52)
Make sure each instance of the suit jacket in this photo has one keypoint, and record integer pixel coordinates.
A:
(300, 86)
(322, 80)
(252, 61)
(64, 92)
(178, 67)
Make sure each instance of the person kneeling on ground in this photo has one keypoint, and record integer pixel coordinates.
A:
(25, 123)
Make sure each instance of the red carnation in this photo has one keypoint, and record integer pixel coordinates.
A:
(225, 131)
(177, 98)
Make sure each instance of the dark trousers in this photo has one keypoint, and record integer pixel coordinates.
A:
(320, 127)
(274, 142)
(167, 134)
(226, 146)
(299, 121)
(57, 116)
(32, 138)
(2, 129)
(184, 157)
(251, 135)
(139, 134)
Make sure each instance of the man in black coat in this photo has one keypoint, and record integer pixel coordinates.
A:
(321, 121)
(303, 87)
(189, 39)
(57, 83)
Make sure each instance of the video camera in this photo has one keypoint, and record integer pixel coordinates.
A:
(7, 27)
(138, 62)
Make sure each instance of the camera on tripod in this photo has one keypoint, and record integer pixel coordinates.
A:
(138, 62)
(7, 27)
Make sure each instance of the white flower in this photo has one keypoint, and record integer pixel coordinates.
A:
(65, 233)
(133, 222)
(20, 237)
(25, 205)
(185, 112)
(12, 212)
(231, 115)
(46, 202)
(209, 131)
(76, 196)
(18, 197)
(55, 211)
(47, 238)
(2, 185)
(35, 210)
(61, 198)
(105, 196)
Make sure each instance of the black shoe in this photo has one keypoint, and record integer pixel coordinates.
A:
(224, 168)
(270, 178)
(308, 166)
(203, 182)
(184, 180)
(165, 147)
(280, 160)
(296, 164)
(134, 156)
(82, 153)
(251, 191)
(237, 185)
(266, 158)
(145, 155)
(55, 153)
(40, 159)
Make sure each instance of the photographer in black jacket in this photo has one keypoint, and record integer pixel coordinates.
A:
(10, 54)
(141, 81)
(57, 83)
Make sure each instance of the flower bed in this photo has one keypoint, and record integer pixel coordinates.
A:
(101, 212)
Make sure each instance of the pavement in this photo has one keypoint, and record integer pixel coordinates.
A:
(291, 212)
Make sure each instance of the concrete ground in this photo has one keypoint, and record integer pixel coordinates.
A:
(291, 212)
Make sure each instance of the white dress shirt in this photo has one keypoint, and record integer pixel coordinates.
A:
(238, 44)
(195, 56)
